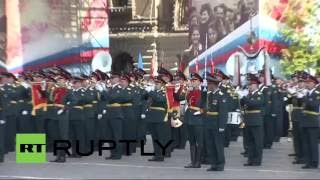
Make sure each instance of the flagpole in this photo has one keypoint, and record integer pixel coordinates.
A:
(205, 64)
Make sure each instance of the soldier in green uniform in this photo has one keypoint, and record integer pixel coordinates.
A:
(179, 134)
(194, 121)
(310, 123)
(75, 100)
(92, 97)
(227, 90)
(129, 124)
(25, 123)
(253, 105)
(140, 103)
(58, 117)
(2, 123)
(267, 115)
(214, 122)
(156, 118)
(279, 103)
(295, 95)
(10, 110)
(114, 116)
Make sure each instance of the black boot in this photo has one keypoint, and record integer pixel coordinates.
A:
(61, 158)
(192, 157)
(198, 158)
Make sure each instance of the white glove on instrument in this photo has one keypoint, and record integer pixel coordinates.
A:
(300, 95)
(197, 113)
(99, 116)
(104, 111)
(24, 112)
(204, 83)
(143, 116)
(149, 88)
(60, 112)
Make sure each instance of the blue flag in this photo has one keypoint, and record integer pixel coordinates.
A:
(140, 61)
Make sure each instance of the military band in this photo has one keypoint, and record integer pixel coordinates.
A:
(198, 109)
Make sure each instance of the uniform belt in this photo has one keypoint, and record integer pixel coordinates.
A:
(252, 111)
(56, 105)
(13, 102)
(194, 108)
(88, 106)
(126, 104)
(297, 107)
(119, 105)
(311, 113)
(114, 105)
(213, 113)
(77, 107)
(94, 102)
(158, 108)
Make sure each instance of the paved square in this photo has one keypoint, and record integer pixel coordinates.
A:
(276, 165)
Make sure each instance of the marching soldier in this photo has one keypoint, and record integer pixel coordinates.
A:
(75, 100)
(295, 95)
(179, 134)
(253, 118)
(156, 117)
(267, 113)
(310, 123)
(10, 109)
(25, 123)
(39, 101)
(140, 103)
(227, 90)
(129, 121)
(214, 122)
(58, 121)
(114, 118)
(194, 121)
(92, 97)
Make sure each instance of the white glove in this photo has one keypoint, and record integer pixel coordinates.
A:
(221, 130)
(60, 112)
(300, 95)
(99, 116)
(2, 121)
(197, 113)
(285, 99)
(104, 111)
(25, 85)
(24, 112)
(273, 115)
(99, 87)
(43, 85)
(204, 83)
(149, 88)
(143, 116)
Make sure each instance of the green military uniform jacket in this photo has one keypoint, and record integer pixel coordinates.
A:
(215, 110)
(253, 104)
(113, 98)
(74, 101)
(157, 111)
(311, 103)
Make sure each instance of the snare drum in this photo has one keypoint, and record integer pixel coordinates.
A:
(234, 118)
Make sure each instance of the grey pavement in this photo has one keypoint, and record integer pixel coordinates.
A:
(276, 165)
